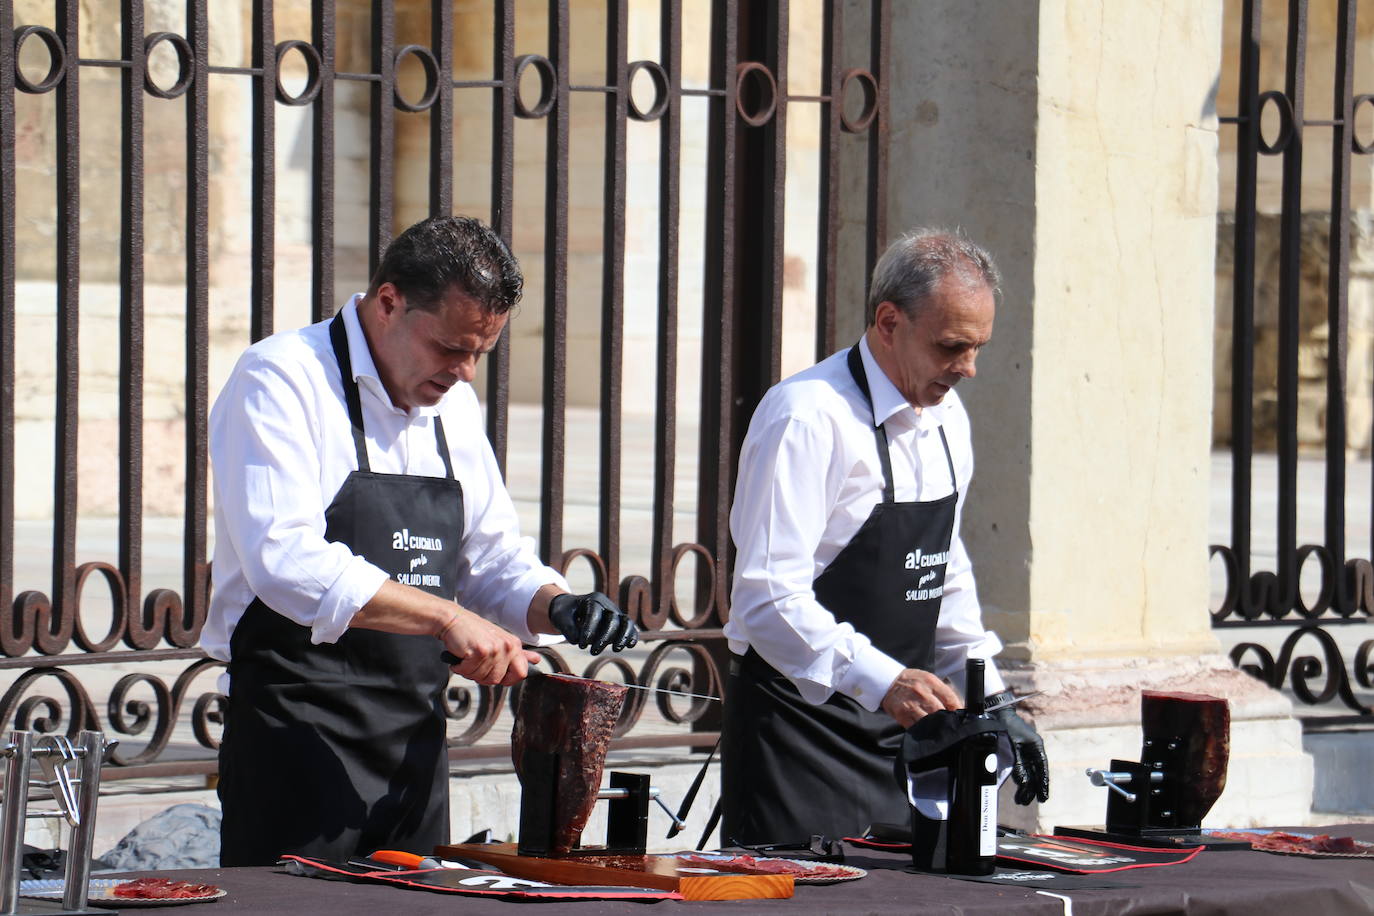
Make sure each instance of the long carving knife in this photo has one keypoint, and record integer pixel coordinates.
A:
(1013, 701)
(450, 659)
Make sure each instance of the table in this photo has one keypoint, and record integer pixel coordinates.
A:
(1215, 882)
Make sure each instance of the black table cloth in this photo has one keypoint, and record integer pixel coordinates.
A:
(1215, 882)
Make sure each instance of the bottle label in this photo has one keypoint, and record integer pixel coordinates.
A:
(987, 822)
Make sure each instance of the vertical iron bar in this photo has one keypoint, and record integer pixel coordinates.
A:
(717, 383)
(1290, 278)
(832, 45)
(131, 339)
(1243, 299)
(613, 286)
(7, 326)
(195, 555)
(775, 166)
(761, 152)
(68, 314)
(877, 144)
(441, 113)
(322, 18)
(1337, 304)
(383, 164)
(502, 211)
(555, 292)
(264, 168)
(665, 405)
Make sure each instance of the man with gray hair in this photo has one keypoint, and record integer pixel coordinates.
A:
(854, 608)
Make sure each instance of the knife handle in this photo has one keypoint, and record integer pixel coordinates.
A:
(448, 658)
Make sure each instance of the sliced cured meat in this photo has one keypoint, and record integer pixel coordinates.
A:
(1295, 844)
(572, 718)
(756, 865)
(162, 889)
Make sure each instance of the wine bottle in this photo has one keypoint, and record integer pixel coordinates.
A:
(971, 846)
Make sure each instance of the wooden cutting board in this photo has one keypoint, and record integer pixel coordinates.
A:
(662, 872)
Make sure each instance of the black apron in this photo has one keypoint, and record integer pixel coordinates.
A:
(335, 749)
(790, 769)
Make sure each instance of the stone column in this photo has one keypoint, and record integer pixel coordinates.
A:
(1077, 140)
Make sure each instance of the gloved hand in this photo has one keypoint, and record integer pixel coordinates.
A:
(1029, 767)
(592, 620)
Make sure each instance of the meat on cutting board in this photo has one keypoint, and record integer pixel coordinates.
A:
(572, 718)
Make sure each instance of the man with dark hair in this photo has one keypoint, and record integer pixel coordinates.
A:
(854, 605)
(362, 527)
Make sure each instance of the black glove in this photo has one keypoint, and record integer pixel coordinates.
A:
(1029, 767)
(592, 620)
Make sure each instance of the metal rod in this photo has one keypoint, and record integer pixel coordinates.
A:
(322, 19)
(263, 203)
(555, 394)
(19, 754)
(503, 212)
(613, 289)
(91, 749)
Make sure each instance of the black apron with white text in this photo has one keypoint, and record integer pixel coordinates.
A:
(335, 749)
(790, 769)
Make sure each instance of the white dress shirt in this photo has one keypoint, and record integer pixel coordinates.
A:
(809, 476)
(281, 447)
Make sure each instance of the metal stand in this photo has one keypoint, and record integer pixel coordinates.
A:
(76, 796)
(627, 819)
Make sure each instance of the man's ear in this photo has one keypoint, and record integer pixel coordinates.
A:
(885, 319)
(390, 303)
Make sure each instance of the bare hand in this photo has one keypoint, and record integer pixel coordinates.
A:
(487, 654)
(915, 694)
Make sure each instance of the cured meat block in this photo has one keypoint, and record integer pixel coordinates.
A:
(1197, 770)
(562, 729)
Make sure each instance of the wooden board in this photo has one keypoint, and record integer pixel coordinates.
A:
(626, 871)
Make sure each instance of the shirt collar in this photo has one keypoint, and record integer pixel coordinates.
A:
(364, 369)
(887, 400)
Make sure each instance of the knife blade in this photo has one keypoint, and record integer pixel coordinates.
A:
(449, 658)
(1013, 701)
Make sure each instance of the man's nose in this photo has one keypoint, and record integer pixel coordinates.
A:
(465, 368)
(965, 365)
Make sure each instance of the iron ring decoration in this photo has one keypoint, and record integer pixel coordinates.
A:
(118, 600)
(675, 612)
(742, 72)
(659, 76)
(1232, 570)
(313, 65)
(431, 65)
(185, 65)
(869, 84)
(548, 85)
(1329, 571)
(1286, 125)
(57, 67)
(1355, 145)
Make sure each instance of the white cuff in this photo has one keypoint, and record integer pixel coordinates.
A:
(356, 586)
(869, 677)
(514, 613)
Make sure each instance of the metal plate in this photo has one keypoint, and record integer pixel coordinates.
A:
(102, 892)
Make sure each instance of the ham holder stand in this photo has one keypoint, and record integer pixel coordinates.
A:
(75, 794)
(1161, 800)
(563, 727)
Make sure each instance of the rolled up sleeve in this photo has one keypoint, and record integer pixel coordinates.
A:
(789, 479)
(264, 447)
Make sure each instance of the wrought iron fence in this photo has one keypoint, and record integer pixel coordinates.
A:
(46, 639)
(1339, 586)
